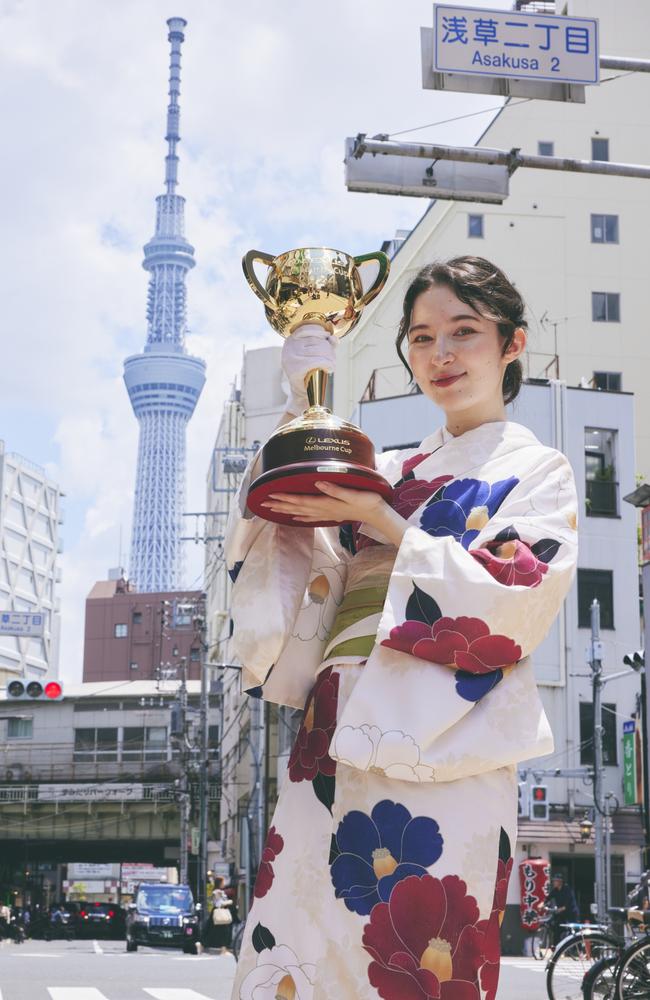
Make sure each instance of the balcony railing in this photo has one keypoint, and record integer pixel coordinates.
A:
(602, 498)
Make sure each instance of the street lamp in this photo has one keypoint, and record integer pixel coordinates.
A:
(586, 828)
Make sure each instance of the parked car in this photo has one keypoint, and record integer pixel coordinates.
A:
(163, 914)
(100, 920)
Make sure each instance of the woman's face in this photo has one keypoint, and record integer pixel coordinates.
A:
(456, 358)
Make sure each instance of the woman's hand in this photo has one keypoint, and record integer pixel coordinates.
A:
(343, 506)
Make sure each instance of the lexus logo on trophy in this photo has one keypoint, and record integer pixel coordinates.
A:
(322, 287)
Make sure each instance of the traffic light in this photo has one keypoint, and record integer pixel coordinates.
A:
(636, 660)
(539, 808)
(523, 802)
(34, 690)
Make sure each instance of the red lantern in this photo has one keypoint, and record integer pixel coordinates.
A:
(534, 885)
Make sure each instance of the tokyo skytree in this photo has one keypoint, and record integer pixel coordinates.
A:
(164, 382)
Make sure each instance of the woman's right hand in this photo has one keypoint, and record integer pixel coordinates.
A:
(309, 347)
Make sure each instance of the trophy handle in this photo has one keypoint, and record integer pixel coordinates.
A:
(380, 280)
(252, 279)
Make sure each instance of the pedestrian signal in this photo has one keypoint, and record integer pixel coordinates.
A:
(34, 690)
(523, 804)
(539, 808)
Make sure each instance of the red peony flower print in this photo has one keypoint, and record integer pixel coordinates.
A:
(492, 931)
(426, 942)
(410, 494)
(461, 643)
(265, 874)
(512, 563)
(414, 461)
(310, 754)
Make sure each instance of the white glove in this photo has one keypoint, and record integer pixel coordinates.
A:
(309, 347)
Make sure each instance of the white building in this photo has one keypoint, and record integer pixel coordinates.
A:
(574, 244)
(30, 544)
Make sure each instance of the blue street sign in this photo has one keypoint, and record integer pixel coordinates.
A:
(515, 44)
(21, 623)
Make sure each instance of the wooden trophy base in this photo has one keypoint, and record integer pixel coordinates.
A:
(300, 477)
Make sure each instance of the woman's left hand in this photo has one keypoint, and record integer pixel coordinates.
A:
(341, 505)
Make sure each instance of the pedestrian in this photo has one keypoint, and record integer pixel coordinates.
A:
(406, 635)
(221, 917)
(561, 902)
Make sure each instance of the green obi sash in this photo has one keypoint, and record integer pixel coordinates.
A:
(354, 630)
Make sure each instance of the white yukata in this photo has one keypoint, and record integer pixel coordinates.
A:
(386, 866)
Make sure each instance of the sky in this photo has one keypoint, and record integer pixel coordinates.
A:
(269, 93)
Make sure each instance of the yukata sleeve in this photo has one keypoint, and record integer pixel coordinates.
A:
(287, 583)
(464, 610)
(486, 600)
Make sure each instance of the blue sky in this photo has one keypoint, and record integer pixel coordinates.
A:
(268, 94)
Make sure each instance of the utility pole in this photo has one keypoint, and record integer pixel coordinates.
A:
(596, 664)
(184, 795)
(202, 867)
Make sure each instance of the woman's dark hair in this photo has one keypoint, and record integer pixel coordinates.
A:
(483, 286)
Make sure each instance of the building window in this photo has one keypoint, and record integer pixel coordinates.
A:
(144, 743)
(605, 307)
(96, 745)
(600, 149)
(601, 481)
(136, 617)
(596, 583)
(611, 381)
(545, 149)
(121, 631)
(604, 228)
(213, 742)
(587, 733)
(195, 654)
(20, 729)
(475, 226)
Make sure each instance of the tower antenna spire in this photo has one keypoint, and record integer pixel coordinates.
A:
(176, 37)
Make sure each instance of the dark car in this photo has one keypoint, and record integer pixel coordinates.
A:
(100, 920)
(163, 915)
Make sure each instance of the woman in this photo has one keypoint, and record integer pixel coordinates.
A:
(386, 868)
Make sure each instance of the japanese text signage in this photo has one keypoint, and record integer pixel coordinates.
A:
(533, 888)
(629, 763)
(21, 623)
(515, 44)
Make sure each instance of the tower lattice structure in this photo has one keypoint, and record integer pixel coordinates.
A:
(164, 382)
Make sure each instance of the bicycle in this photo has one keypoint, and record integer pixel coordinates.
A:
(542, 938)
(574, 956)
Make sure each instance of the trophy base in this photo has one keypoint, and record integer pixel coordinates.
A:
(300, 478)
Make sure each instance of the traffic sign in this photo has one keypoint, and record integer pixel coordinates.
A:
(515, 45)
(22, 623)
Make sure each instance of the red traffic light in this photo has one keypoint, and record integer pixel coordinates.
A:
(35, 690)
(539, 794)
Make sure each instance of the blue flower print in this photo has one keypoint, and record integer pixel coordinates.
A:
(463, 508)
(473, 687)
(373, 853)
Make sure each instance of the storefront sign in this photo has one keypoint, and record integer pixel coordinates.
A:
(90, 793)
(629, 763)
(534, 881)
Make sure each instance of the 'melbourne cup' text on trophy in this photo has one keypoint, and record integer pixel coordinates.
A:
(322, 287)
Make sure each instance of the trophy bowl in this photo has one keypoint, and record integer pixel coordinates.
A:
(314, 286)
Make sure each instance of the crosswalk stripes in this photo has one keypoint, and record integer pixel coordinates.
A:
(92, 993)
(176, 994)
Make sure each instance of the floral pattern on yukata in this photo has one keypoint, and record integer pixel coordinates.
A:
(265, 874)
(371, 854)
(463, 507)
(310, 759)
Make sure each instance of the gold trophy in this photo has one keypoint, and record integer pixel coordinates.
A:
(323, 287)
